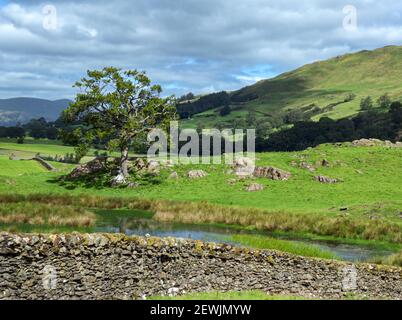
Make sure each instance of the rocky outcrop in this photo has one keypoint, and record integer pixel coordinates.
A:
(375, 143)
(324, 179)
(97, 266)
(196, 174)
(95, 166)
(254, 187)
(271, 173)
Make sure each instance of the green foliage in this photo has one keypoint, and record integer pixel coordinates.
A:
(366, 103)
(118, 106)
(384, 101)
(204, 103)
(370, 124)
(225, 111)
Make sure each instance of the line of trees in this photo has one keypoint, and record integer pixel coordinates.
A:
(368, 124)
(211, 101)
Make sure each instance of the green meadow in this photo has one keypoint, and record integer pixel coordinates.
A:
(322, 84)
(364, 207)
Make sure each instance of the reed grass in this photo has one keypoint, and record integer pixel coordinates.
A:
(45, 214)
(340, 226)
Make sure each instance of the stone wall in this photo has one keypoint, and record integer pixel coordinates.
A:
(100, 266)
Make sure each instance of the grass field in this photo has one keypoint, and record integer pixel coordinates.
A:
(370, 187)
(366, 205)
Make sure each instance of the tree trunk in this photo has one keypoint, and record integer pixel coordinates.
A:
(122, 175)
(124, 163)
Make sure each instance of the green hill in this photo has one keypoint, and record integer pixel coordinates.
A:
(319, 89)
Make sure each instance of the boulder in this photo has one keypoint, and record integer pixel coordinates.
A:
(139, 164)
(254, 187)
(243, 167)
(91, 167)
(271, 173)
(306, 165)
(324, 179)
(153, 165)
(196, 174)
(174, 176)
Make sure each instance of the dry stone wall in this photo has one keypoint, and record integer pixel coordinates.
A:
(99, 266)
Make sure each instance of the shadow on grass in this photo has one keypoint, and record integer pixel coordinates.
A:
(102, 180)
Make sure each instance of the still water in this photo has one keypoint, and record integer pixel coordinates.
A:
(142, 224)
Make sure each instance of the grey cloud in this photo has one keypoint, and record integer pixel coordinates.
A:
(183, 44)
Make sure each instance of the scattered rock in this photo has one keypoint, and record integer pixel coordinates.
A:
(325, 163)
(306, 165)
(324, 179)
(376, 143)
(232, 182)
(153, 165)
(174, 176)
(169, 163)
(196, 174)
(244, 167)
(254, 187)
(139, 164)
(271, 173)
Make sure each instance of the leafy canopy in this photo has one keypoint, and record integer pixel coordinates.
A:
(117, 106)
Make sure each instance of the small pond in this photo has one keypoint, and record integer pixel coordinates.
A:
(141, 224)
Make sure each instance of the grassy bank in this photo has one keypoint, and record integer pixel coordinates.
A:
(340, 226)
(264, 242)
(366, 205)
(393, 260)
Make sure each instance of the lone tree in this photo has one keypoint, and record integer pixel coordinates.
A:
(118, 106)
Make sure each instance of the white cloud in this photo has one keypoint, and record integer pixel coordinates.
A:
(183, 44)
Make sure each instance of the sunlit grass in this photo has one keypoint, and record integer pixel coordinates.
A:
(264, 242)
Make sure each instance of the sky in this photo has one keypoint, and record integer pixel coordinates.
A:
(185, 45)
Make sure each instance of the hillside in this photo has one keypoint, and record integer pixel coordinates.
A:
(23, 109)
(319, 89)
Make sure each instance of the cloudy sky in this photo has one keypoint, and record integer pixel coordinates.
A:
(186, 45)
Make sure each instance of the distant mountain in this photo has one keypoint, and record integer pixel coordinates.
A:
(24, 109)
(331, 88)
